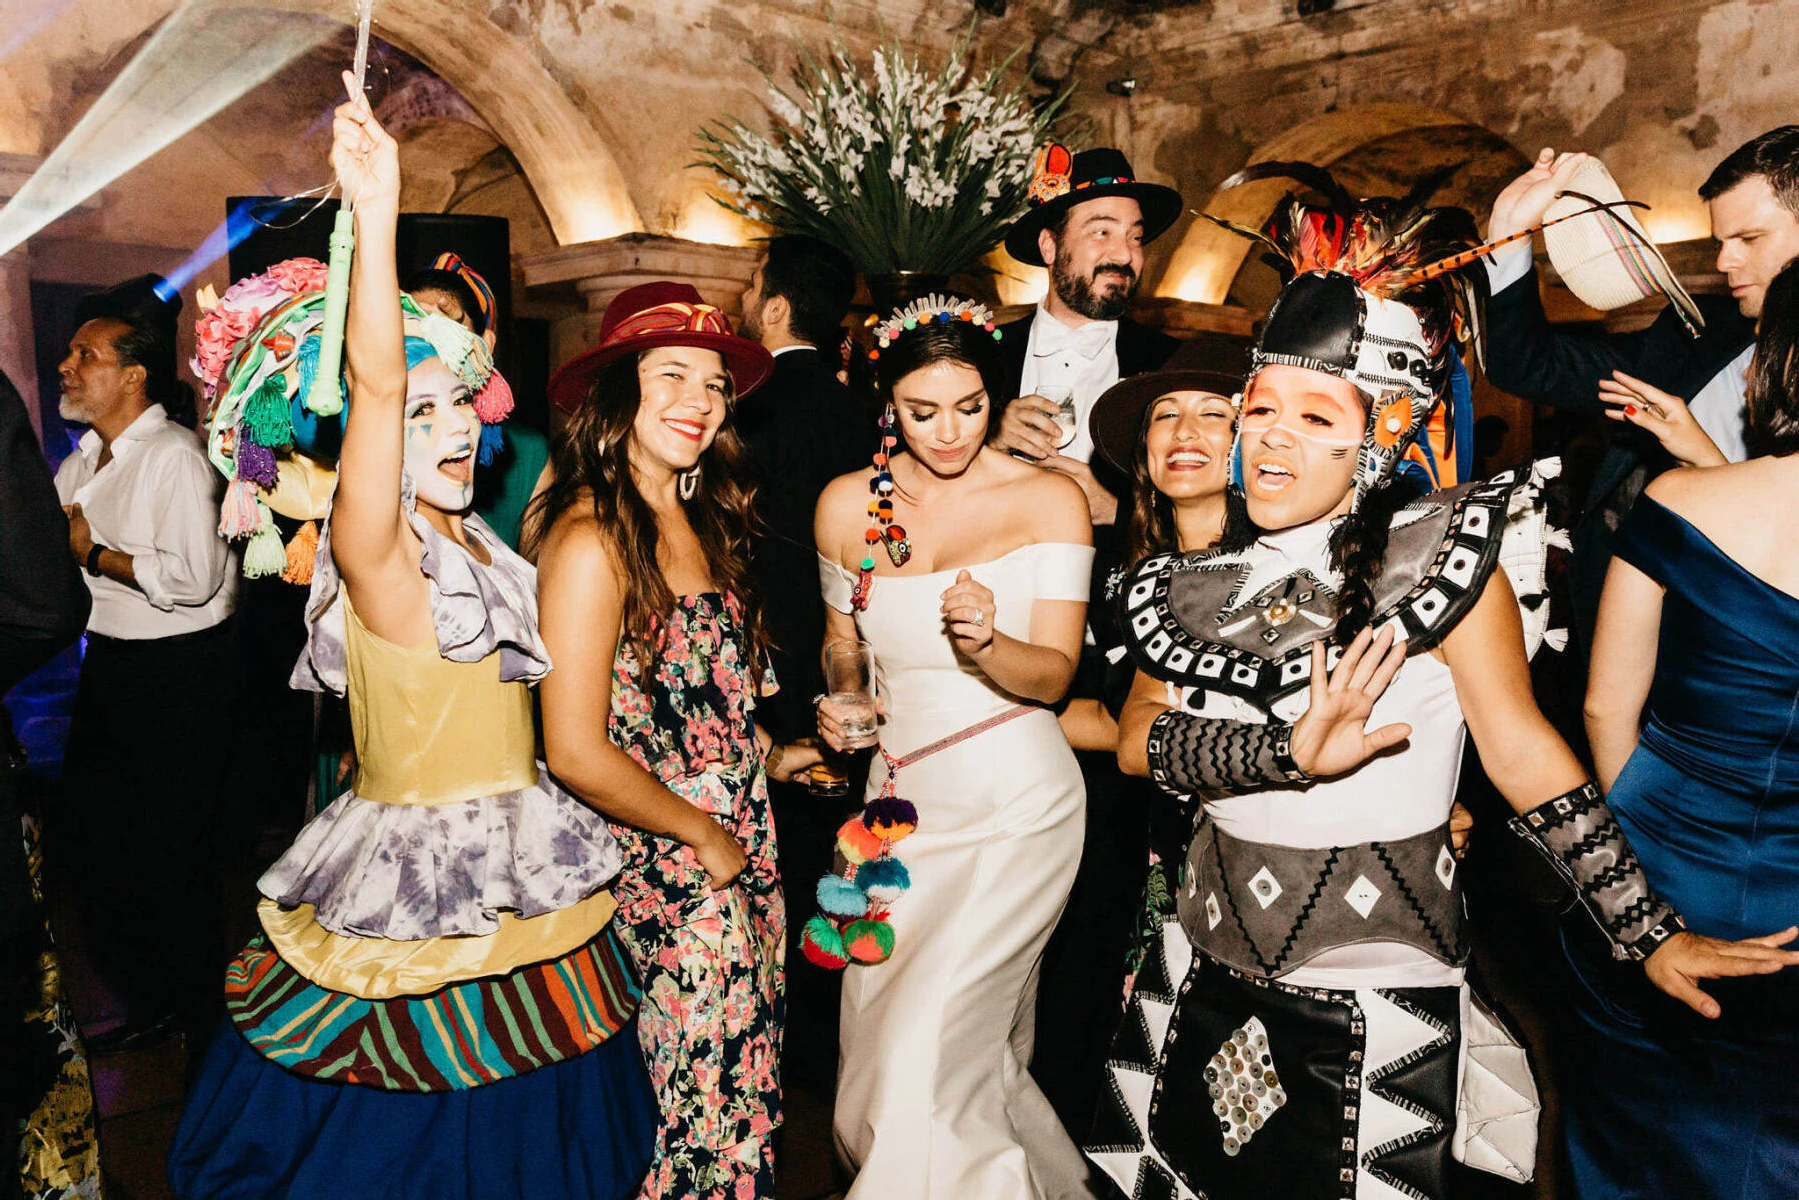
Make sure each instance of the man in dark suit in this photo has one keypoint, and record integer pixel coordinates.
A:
(1753, 199)
(43, 608)
(1088, 224)
(803, 428)
(1089, 230)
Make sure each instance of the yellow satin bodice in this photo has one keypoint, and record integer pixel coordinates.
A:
(432, 731)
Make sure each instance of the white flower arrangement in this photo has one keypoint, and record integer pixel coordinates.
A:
(901, 167)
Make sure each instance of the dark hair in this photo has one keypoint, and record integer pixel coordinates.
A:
(818, 282)
(436, 279)
(1773, 393)
(1774, 156)
(592, 465)
(936, 341)
(150, 344)
(1151, 528)
(1358, 547)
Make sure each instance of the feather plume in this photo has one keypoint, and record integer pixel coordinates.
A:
(1384, 243)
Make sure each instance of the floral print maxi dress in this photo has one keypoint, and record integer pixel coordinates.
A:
(710, 961)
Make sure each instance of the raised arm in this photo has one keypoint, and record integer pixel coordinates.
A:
(369, 537)
(580, 609)
(1526, 355)
(1562, 814)
(1622, 667)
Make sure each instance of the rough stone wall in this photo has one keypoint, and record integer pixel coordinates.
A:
(1660, 88)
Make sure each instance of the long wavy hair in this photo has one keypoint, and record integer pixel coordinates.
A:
(1773, 426)
(592, 465)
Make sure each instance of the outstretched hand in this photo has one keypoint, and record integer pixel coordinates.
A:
(364, 155)
(1680, 962)
(1666, 416)
(1331, 737)
(1526, 199)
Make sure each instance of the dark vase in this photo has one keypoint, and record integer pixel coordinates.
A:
(899, 288)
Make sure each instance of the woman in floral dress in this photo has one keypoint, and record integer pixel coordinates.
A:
(647, 605)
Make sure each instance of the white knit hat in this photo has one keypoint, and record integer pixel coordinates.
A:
(1605, 257)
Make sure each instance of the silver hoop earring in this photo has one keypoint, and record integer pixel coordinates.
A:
(688, 483)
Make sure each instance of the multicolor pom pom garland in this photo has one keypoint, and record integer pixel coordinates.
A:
(852, 925)
(923, 311)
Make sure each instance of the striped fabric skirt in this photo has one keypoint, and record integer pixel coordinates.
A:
(462, 1036)
(528, 1084)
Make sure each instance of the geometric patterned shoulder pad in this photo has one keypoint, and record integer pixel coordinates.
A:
(1191, 620)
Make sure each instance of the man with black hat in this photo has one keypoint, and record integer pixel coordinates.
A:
(1089, 221)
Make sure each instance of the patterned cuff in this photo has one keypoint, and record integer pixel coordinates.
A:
(1189, 754)
(1581, 839)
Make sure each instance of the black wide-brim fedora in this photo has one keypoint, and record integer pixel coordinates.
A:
(1094, 174)
(1208, 362)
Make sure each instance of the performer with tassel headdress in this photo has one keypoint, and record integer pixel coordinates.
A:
(1306, 1023)
(437, 1004)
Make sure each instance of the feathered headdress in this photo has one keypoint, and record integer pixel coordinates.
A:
(1367, 298)
(1394, 247)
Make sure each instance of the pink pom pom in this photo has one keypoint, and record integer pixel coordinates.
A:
(494, 402)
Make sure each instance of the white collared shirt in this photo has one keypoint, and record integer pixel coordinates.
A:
(1084, 360)
(1718, 406)
(158, 501)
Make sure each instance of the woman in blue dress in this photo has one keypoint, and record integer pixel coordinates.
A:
(1693, 714)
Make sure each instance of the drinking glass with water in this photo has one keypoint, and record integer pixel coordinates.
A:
(850, 691)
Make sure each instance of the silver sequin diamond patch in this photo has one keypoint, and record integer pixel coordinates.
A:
(1244, 1086)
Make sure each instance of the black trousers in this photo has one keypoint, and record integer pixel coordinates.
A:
(1080, 993)
(135, 844)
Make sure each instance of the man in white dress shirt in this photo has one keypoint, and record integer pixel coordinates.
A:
(1753, 200)
(159, 678)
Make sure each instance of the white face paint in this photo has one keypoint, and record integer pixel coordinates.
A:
(441, 435)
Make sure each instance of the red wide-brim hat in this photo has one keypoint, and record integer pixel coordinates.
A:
(663, 313)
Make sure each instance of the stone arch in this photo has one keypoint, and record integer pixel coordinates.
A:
(568, 163)
(1371, 148)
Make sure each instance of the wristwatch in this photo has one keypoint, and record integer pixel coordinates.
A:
(93, 560)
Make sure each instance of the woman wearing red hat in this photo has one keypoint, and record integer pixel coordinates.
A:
(648, 606)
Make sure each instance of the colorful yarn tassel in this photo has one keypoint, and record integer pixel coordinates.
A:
(265, 555)
(823, 945)
(493, 440)
(493, 403)
(302, 548)
(884, 880)
(240, 515)
(256, 463)
(266, 418)
(856, 842)
(890, 818)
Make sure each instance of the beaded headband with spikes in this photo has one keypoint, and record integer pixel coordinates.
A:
(926, 310)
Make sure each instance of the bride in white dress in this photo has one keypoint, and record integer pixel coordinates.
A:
(975, 609)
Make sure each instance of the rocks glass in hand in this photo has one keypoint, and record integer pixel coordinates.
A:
(850, 690)
(1066, 417)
